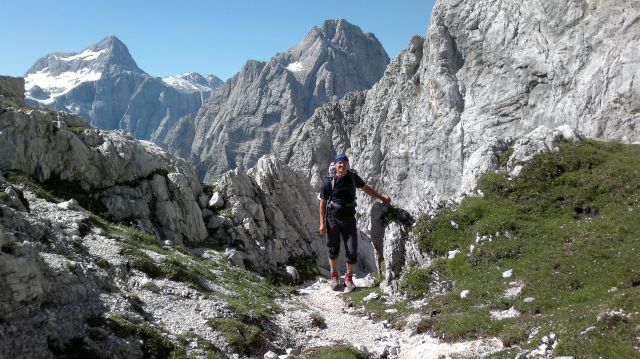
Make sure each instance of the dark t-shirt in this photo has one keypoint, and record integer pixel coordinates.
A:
(343, 196)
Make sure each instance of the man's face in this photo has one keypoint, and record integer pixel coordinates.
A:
(342, 167)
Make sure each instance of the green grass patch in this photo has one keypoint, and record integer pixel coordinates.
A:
(242, 338)
(202, 348)
(378, 308)
(306, 266)
(333, 352)
(568, 228)
(318, 321)
(56, 190)
(154, 343)
(252, 296)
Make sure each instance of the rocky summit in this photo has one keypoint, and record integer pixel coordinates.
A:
(104, 85)
(255, 112)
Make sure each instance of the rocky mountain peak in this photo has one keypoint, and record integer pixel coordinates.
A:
(104, 85)
(258, 109)
(340, 32)
(116, 53)
(335, 41)
(110, 51)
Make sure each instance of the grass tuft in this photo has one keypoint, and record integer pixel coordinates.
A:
(333, 352)
(242, 338)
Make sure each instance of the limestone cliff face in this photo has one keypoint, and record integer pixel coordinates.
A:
(488, 73)
(126, 180)
(314, 144)
(274, 214)
(257, 110)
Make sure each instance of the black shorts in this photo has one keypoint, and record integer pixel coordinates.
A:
(345, 228)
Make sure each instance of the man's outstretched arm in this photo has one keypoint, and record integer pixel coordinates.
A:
(373, 193)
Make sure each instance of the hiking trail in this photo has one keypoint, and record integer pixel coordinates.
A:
(349, 325)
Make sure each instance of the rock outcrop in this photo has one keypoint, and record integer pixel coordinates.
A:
(119, 177)
(274, 218)
(12, 87)
(274, 214)
(255, 112)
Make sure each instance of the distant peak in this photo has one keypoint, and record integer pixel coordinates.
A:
(109, 42)
(118, 53)
(98, 57)
(339, 26)
(336, 24)
(341, 34)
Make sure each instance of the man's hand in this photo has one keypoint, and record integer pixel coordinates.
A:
(323, 229)
(373, 193)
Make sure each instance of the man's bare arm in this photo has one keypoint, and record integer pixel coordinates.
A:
(373, 193)
(323, 212)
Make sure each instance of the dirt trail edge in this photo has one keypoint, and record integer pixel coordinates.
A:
(345, 325)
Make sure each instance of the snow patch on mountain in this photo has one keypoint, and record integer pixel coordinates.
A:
(295, 67)
(86, 55)
(183, 82)
(44, 87)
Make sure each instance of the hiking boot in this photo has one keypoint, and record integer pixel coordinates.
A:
(348, 281)
(334, 280)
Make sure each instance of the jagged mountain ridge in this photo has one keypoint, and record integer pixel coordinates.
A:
(254, 112)
(104, 85)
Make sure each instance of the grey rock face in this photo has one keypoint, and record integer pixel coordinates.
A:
(12, 87)
(256, 111)
(63, 279)
(104, 85)
(274, 214)
(127, 180)
(489, 73)
(313, 145)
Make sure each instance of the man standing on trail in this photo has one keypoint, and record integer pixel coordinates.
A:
(337, 217)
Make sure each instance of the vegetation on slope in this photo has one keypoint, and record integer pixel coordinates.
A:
(567, 230)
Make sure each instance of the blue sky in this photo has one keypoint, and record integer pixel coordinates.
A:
(209, 37)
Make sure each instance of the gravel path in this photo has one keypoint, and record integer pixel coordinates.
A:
(346, 325)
